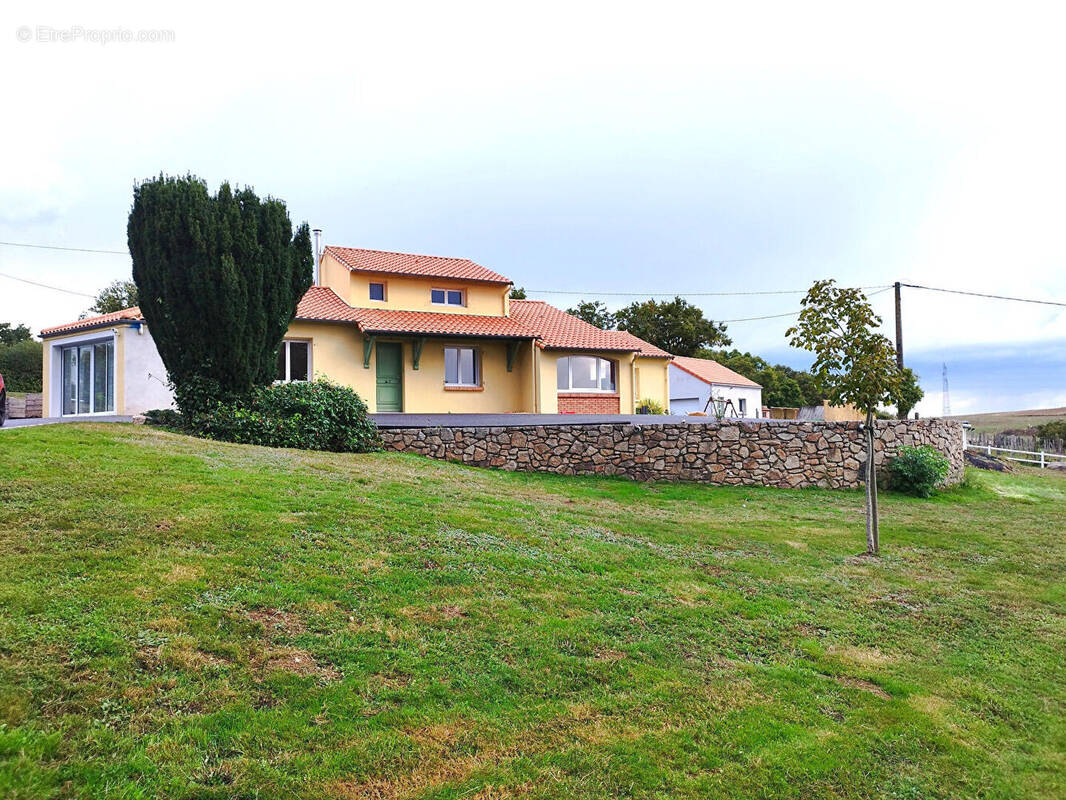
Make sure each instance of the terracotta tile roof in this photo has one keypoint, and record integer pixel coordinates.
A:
(710, 371)
(561, 331)
(433, 323)
(642, 347)
(125, 315)
(381, 261)
(322, 303)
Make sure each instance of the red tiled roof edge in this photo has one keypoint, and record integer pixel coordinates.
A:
(132, 314)
(387, 262)
(730, 378)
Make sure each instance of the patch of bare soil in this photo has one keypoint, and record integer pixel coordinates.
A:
(276, 621)
(866, 686)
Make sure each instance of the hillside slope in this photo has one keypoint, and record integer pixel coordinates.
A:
(183, 618)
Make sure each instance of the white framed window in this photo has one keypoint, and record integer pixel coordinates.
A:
(377, 291)
(447, 297)
(462, 366)
(294, 361)
(743, 406)
(586, 374)
(88, 378)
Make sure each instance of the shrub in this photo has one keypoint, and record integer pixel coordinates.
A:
(649, 406)
(1050, 431)
(315, 415)
(21, 366)
(164, 418)
(918, 470)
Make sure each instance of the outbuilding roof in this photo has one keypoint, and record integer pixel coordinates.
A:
(710, 371)
(388, 263)
(103, 320)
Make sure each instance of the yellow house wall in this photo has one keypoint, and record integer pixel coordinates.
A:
(337, 354)
(548, 387)
(411, 294)
(653, 381)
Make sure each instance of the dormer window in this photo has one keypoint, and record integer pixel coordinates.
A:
(447, 297)
(377, 291)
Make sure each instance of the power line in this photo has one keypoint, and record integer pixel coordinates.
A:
(980, 294)
(69, 249)
(686, 294)
(791, 313)
(46, 286)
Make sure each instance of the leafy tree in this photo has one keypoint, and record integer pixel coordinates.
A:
(518, 293)
(781, 385)
(674, 325)
(218, 277)
(853, 363)
(116, 296)
(594, 313)
(909, 393)
(10, 336)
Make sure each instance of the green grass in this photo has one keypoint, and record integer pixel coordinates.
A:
(1012, 420)
(182, 619)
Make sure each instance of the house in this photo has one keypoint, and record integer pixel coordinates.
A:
(694, 380)
(410, 333)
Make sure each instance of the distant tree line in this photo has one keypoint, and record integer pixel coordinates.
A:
(680, 328)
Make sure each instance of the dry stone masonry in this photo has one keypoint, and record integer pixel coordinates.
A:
(771, 453)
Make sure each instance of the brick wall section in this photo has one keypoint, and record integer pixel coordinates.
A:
(786, 454)
(588, 403)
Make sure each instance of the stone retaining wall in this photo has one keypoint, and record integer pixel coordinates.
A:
(778, 453)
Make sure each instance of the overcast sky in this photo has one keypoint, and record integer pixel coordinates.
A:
(646, 148)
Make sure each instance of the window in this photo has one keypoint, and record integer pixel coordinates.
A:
(447, 297)
(377, 291)
(89, 378)
(743, 406)
(586, 374)
(294, 361)
(461, 367)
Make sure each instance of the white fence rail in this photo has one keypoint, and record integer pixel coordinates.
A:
(1042, 458)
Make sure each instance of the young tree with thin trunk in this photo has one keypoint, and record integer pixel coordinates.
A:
(853, 363)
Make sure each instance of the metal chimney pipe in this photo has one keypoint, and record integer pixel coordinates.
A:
(318, 254)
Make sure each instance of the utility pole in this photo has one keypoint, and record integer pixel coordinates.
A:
(899, 329)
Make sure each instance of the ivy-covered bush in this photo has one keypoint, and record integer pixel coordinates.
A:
(918, 470)
(317, 415)
(164, 418)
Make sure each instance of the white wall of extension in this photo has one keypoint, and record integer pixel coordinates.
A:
(146, 377)
(688, 393)
(144, 374)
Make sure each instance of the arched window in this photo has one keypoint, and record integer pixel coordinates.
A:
(587, 374)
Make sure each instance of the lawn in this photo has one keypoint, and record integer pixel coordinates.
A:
(182, 619)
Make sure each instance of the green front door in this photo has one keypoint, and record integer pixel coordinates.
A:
(390, 376)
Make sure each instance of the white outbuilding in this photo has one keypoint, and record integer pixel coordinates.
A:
(694, 380)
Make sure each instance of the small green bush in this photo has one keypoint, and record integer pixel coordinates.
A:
(316, 415)
(1050, 431)
(649, 406)
(21, 366)
(164, 418)
(918, 470)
